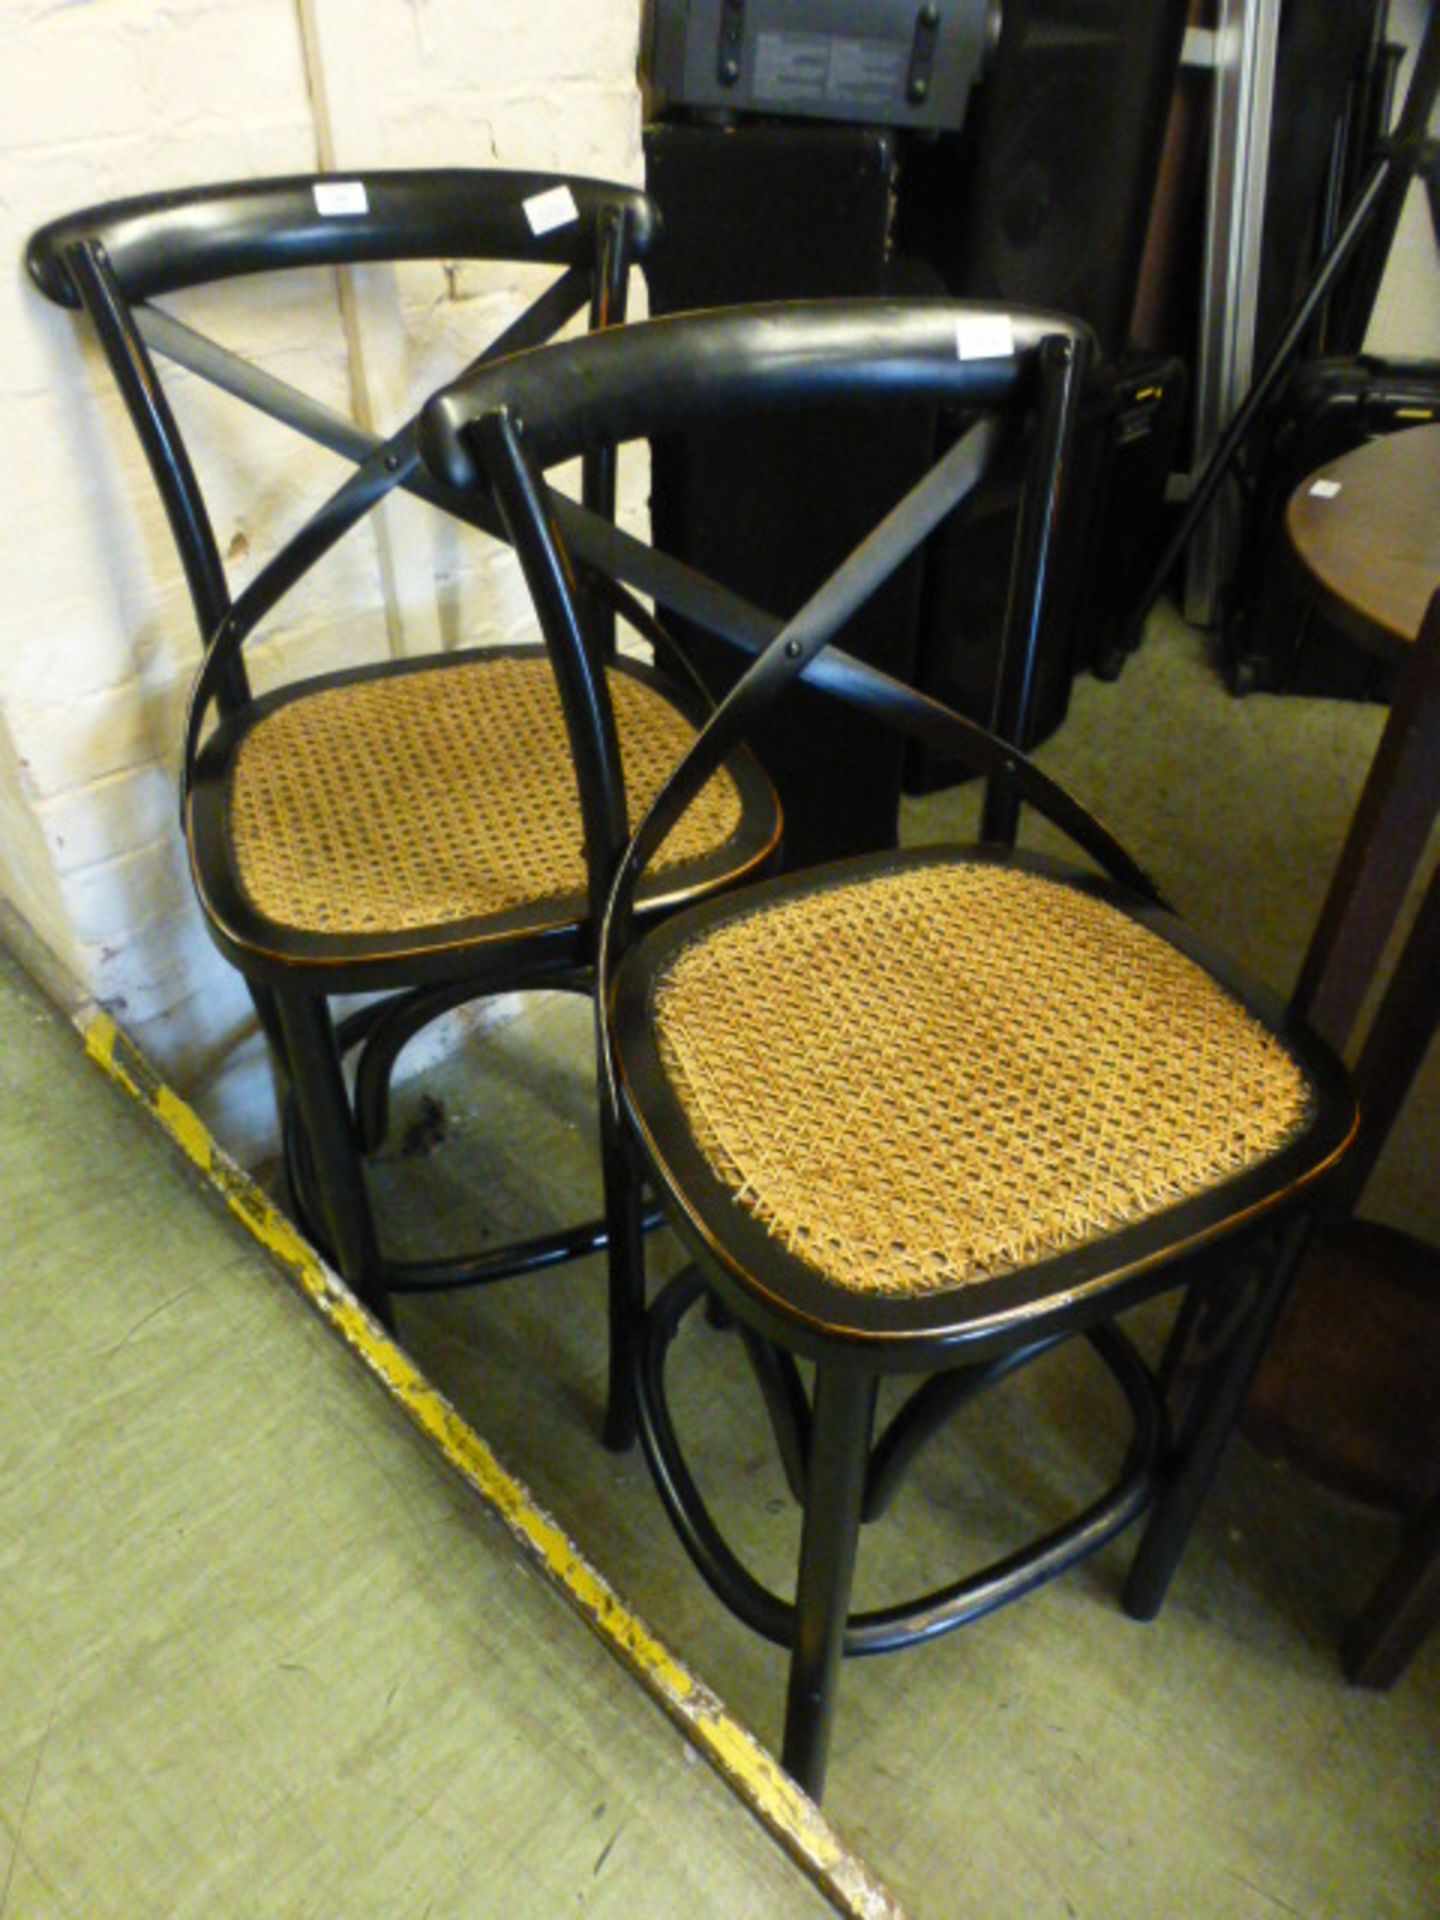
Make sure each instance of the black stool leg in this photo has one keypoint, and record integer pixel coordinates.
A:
(1208, 1428)
(835, 1488)
(625, 1261)
(328, 1125)
(268, 1014)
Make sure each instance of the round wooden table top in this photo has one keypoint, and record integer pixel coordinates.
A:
(1367, 530)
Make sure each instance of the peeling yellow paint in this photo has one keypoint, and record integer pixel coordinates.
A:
(752, 1772)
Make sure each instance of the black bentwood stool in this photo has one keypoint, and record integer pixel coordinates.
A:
(412, 828)
(923, 1112)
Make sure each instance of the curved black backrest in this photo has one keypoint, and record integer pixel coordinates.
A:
(110, 259)
(664, 376)
(159, 242)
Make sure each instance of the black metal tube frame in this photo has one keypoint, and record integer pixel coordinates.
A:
(1374, 212)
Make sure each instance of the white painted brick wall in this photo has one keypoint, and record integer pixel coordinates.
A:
(100, 98)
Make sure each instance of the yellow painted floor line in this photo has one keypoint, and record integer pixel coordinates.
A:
(742, 1761)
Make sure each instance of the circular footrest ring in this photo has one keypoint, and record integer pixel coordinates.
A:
(885, 1629)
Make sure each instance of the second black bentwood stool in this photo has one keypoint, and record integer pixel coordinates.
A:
(926, 1112)
(411, 829)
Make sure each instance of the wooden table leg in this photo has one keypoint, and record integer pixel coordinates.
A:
(1350, 1389)
(1402, 1610)
(1382, 849)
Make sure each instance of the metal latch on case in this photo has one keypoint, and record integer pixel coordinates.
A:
(729, 42)
(922, 54)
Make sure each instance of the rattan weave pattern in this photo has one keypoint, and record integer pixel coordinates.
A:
(420, 799)
(924, 1079)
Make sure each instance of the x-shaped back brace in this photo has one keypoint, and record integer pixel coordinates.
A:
(383, 464)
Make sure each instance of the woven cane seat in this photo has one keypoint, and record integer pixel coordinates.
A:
(926, 1078)
(420, 799)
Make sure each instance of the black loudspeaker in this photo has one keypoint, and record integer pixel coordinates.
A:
(762, 212)
(1044, 199)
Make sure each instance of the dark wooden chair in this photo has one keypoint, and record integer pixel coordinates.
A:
(410, 829)
(929, 1112)
(923, 1113)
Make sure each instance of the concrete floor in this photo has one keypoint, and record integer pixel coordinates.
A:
(262, 1654)
(214, 1685)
